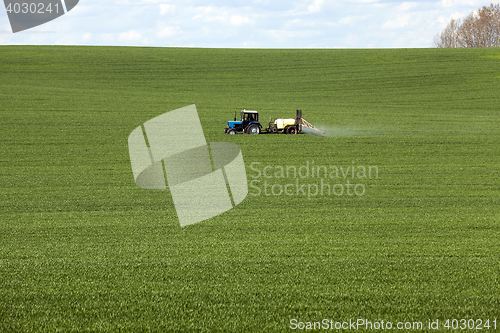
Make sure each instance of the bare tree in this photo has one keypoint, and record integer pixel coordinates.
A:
(481, 28)
(449, 36)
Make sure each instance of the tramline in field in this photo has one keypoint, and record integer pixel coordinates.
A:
(249, 124)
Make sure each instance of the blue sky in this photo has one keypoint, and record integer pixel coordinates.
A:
(247, 24)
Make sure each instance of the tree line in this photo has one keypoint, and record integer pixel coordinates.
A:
(481, 28)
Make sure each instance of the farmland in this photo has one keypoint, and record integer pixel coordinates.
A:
(82, 248)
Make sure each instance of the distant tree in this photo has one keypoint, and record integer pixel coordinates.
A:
(480, 28)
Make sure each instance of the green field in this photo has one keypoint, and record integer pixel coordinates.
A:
(82, 248)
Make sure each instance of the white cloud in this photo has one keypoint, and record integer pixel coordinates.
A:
(405, 6)
(131, 35)
(230, 16)
(352, 20)
(167, 9)
(87, 37)
(365, 1)
(401, 21)
(454, 3)
(283, 35)
(351, 40)
(167, 32)
(238, 20)
(211, 14)
(315, 6)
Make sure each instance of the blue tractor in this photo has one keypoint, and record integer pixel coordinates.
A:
(248, 124)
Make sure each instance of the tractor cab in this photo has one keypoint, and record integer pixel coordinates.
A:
(249, 123)
(248, 117)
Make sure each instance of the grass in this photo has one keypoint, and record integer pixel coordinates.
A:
(82, 248)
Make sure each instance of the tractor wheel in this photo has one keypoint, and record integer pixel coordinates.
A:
(231, 131)
(291, 130)
(253, 129)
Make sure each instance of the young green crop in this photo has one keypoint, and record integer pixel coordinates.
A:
(84, 249)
